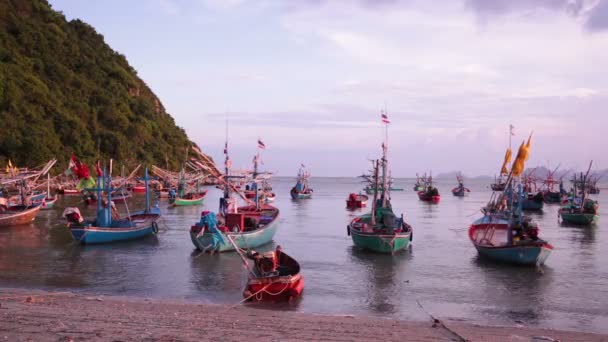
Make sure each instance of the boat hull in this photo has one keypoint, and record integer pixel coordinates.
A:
(579, 218)
(532, 204)
(518, 255)
(181, 202)
(49, 203)
(275, 289)
(139, 189)
(498, 187)
(300, 195)
(96, 235)
(380, 243)
(15, 217)
(458, 192)
(245, 240)
(494, 246)
(431, 199)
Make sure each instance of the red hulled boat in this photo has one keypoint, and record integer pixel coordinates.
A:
(275, 277)
(355, 201)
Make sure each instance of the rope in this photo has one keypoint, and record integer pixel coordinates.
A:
(437, 322)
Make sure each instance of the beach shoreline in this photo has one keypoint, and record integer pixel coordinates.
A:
(67, 316)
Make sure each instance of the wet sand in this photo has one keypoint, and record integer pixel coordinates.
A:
(27, 315)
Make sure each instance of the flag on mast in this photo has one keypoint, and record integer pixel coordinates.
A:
(511, 127)
(384, 118)
(261, 144)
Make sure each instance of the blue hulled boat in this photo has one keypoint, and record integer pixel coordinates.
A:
(108, 226)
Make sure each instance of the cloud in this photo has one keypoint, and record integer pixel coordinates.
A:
(593, 14)
(598, 17)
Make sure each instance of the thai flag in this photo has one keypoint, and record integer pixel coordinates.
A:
(511, 127)
(384, 118)
(226, 148)
(261, 144)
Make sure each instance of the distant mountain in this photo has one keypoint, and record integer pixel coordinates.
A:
(449, 175)
(64, 90)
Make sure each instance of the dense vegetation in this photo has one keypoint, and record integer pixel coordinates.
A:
(64, 90)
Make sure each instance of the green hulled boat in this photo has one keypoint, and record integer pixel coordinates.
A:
(575, 214)
(580, 210)
(380, 230)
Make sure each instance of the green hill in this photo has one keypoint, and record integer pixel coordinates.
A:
(63, 90)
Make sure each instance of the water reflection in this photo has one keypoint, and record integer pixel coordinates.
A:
(382, 279)
(585, 236)
(515, 292)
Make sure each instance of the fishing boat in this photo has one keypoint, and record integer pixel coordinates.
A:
(183, 197)
(188, 199)
(580, 210)
(460, 190)
(301, 190)
(492, 236)
(49, 202)
(248, 226)
(420, 181)
(108, 226)
(504, 234)
(370, 190)
(532, 199)
(29, 198)
(431, 193)
(380, 230)
(355, 201)
(16, 215)
(69, 192)
(550, 194)
(139, 189)
(275, 276)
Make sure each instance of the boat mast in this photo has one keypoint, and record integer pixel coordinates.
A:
(385, 185)
(255, 175)
(374, 203)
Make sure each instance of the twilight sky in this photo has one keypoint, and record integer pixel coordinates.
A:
(309, 77)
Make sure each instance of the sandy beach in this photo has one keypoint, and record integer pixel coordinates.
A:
(27, 315)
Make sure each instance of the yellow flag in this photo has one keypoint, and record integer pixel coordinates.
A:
(10, 164)
(504, 169)
(519, 163)
(528, 147)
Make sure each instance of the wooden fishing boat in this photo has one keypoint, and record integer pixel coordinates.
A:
(380, 230)
(246, 226)
(504, 234)
(17, 215)
(139, 189)
(420, 181)
(301, 190)
(107, 227)
(49, 202)
(490, 236)
(268, 196)
(274, 277)
(580, 210)
(370, 190)
(33, 199)
(355, 201)
(188, 199)
(431, 196)
(498, 186)
(460, 190)
(69, 192)
(533, 202)
(552, 197)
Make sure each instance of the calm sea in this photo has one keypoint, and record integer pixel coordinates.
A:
(441, 270)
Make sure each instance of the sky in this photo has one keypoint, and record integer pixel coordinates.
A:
(310, 77)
